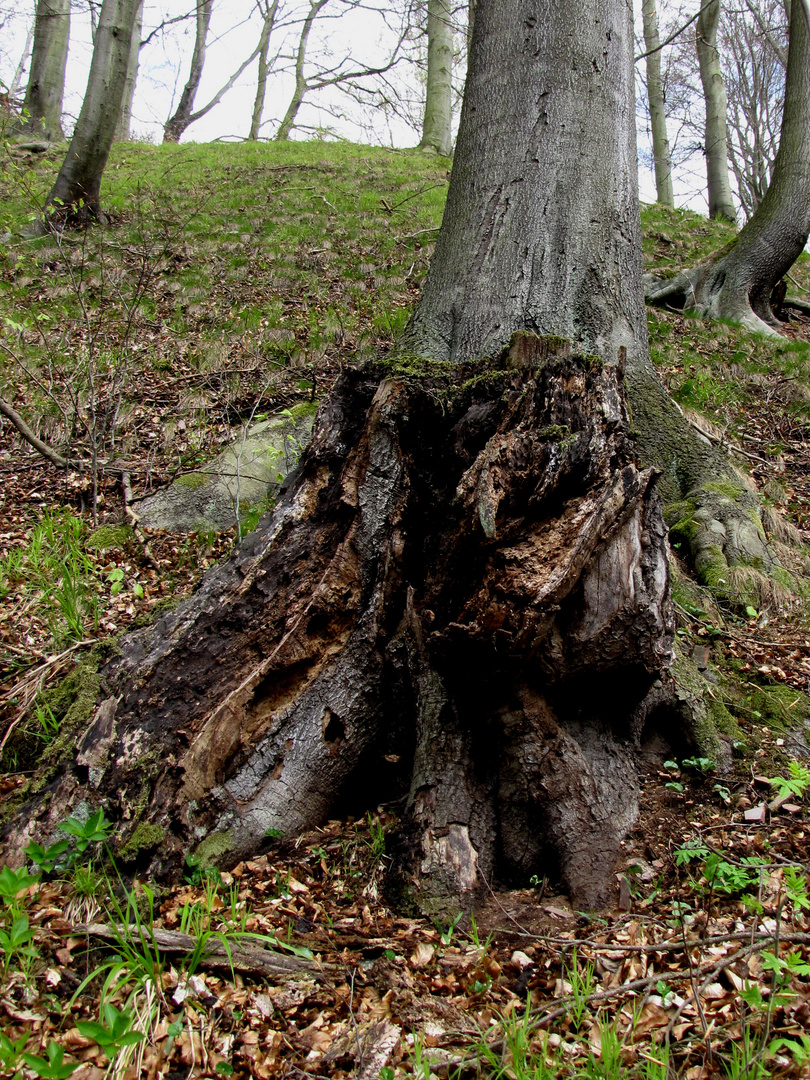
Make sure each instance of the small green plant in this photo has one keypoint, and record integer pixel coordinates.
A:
(672, 784)
(796, 784)
(702, 765)
(582, 985)
(796, 888)
(11, 1054)
(14, 882)
(113, 1031)
(95, 830)
(17, 944)
(45, 859)
(52, 1067)
(446, 933)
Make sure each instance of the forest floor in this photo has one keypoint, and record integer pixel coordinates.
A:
(233, 282)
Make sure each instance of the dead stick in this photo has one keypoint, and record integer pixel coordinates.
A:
(132, 518)
(41, 447)
(242, 956)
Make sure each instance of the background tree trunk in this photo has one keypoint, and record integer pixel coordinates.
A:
(658, 116)
(16, 82)
(299, 93)
(268, 11)
(721, 203)
(437, 123)
(737, 282)
(46, 80)
(122, 131)
(77, 190)
(180, 120)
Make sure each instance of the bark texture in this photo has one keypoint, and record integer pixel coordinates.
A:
(268, 11)
(437, 122)
(737, 283)
(721, 203)
(181, 118)
(46, 80)
(122, 131)
(469, 577)
(77, 190)
(301, 86)
(658, 116)
(541, 230)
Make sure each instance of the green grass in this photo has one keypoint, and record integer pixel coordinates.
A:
(54, 571)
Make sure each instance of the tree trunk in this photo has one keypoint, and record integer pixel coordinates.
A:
(721, 203)
(46, 81)
(437, 123)
(658, 116)
(299, 93)
(463, 599)
(737, 282)
(268, 21)
(122, 131)
(16, 82)
(77, 191)
(180, 120)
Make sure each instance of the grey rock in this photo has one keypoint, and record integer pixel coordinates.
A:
(251, 470)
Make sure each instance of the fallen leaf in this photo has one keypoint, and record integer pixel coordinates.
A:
(422, 955)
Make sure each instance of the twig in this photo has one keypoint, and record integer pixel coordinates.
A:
(132, 518)
(41, 447)
(24, 692)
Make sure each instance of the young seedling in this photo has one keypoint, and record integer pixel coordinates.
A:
(114, 1033)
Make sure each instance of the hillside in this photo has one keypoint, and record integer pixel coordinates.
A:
(235, 282)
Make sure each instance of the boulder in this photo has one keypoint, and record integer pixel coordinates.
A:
(250, 472)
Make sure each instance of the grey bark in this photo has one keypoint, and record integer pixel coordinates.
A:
(268, 11)
(737, 283)
(658, 117)
(301, 87)
(721, 203)
(181, 118)
(437, 121)
(530, 241)
(77, 190)
(46, 80)
(122, 131)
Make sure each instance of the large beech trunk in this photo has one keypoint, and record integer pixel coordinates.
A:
(463, 599)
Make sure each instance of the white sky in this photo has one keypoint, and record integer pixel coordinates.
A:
(234, 33)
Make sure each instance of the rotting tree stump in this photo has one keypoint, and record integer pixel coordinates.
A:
(462, 601)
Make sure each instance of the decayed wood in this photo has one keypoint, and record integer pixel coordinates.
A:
(241, 956)
(463, 600)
